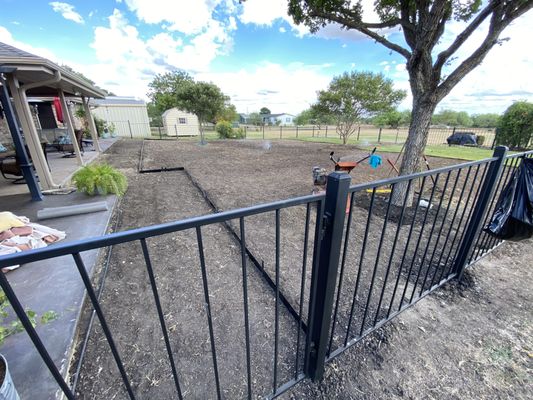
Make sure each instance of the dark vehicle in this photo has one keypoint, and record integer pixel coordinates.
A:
(462, 139)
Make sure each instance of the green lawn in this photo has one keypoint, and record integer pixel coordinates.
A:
(440, 150)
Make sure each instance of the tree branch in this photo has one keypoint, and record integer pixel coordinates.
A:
(361, 27)
(500, 19)
(463, 36)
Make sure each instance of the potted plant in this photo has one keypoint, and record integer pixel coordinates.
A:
(7, 387)
(100, 179)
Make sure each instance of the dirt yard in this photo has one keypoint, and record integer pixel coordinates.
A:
(431, 351)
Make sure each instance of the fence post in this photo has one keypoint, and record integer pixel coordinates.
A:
(485, 195)
(326, 131)
(159, 129)
(296, 131)
(379, 135)
(397, 133)
(129, 125)
(280, 131)
(358, 132)
(324, 274)
(313, 131)
(263, 130)
(245, 132)
(176, 129)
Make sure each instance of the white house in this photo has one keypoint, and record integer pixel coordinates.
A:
(279, 119)
(180, 123)
(128, 115)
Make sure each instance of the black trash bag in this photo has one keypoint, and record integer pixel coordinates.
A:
(513, 216)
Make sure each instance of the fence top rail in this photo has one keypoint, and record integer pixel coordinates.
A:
(78, 246)
(522, 154)
(390, 181)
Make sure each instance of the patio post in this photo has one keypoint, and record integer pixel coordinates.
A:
(30, 133)
(25, 163)
(69, 122)
(92, 126)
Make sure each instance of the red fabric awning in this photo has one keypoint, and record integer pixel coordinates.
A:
(59, 110)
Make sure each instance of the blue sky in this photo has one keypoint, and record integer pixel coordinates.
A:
(254, 51)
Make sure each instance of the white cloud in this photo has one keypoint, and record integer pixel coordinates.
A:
(344, 45)
(282, 29)
(15, 22)
(265, 13)
(67, 11)
(189, 17)
(282, 88)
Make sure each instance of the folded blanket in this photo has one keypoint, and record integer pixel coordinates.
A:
(25, 235)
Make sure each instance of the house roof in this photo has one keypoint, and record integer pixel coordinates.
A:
(31, 69)
(277, 115)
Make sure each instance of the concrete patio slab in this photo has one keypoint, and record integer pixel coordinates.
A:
(61, 167)
(51, 285)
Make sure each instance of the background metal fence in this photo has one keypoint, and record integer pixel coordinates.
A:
(364, 133)
(367, 253)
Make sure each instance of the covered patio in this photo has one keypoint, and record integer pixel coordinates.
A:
(23, 76)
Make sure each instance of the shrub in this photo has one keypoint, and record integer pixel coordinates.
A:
(239, 133)
(515, 128)
(100, 179)
(480, 139)
(224, 129)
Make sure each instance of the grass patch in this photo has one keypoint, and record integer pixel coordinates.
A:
(440, 150)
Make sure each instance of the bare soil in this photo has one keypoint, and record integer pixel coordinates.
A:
(242, 173)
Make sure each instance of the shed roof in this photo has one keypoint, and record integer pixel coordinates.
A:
(32, 69)
(118, 101)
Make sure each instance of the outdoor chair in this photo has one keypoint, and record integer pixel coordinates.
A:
(10, 169)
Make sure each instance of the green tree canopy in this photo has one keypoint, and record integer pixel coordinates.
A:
(488, 120)
(354, 95)
(264, 111)
(164, 88)
(452, 118)
(515, 128)
(314, 116)
(228, 113)
(255, 119)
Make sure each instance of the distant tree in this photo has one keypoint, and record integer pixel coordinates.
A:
(452, 118)
(515, 128)
(228, 113)
(304, 118)
(354, 95)
(392, 118)
(264, 111)
(154, 114)
(203, 99)
(431, 63)
(313, 116)
(164, 88)
(485, 120)
(255, 119)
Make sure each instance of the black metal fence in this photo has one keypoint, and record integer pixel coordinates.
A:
(363, 133)
(366, 253)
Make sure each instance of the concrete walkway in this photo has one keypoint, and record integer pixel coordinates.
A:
(51, 285)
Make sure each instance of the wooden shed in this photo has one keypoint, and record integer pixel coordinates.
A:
(128, 115)
(180, 123)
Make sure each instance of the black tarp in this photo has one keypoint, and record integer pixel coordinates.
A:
(462, 138)
(513, 215)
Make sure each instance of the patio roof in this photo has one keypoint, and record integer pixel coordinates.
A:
(31, 69)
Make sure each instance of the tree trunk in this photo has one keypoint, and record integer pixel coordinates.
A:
(414, 146)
